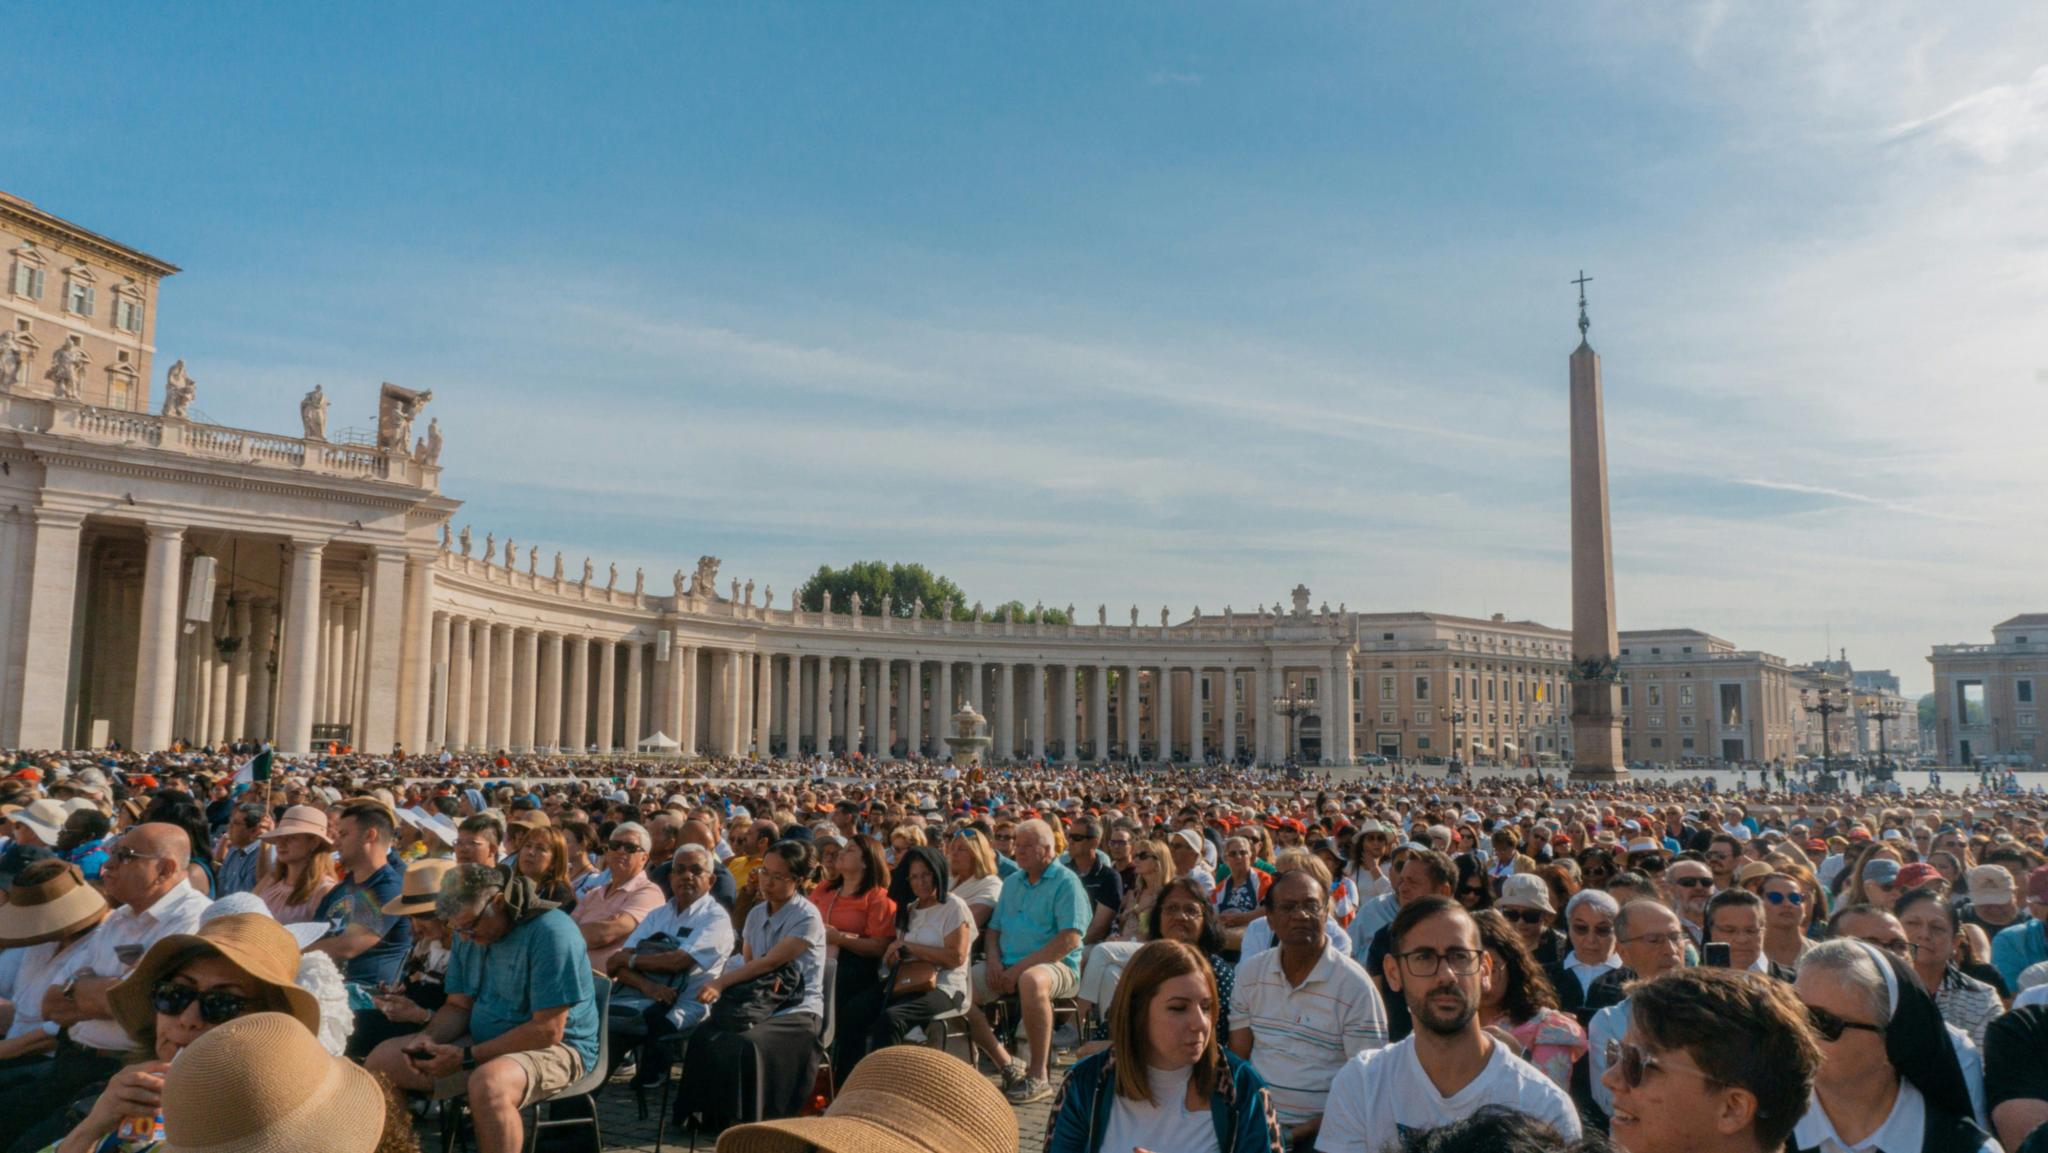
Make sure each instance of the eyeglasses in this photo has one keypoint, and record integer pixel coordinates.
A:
(1633, 1062)
(1144, 856)
(1777, 898)
(1603, 929)
(1425, 962)
(1524, 916)
(1831, 1026)
(124, 854)
(624, 846)
(970, 834)
(1692, 882)
(216, 1006)
(1656, 940)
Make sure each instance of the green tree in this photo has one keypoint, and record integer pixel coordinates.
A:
(904, 584)
(1023, 615)
(1926, 711)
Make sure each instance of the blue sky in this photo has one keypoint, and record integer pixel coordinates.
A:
(1171, 304)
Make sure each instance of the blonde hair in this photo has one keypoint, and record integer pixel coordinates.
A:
(1301, 860)
(979, 848)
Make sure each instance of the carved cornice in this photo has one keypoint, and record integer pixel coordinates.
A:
(60, 453)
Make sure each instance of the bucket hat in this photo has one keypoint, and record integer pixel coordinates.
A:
(252, 942)
(1525, 891)
(302, 819)
(46, 817)
(263, 1084)
(902, 1099)
(48, 902)
(422, 885)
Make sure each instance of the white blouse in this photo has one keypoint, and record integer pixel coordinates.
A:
(1166, 1123)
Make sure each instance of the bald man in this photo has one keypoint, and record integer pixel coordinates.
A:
(144, 880)
(724, 886)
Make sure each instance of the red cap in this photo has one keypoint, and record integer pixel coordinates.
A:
(1859, 833)
(1917, 874)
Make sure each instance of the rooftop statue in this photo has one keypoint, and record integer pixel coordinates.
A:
(313, 414)
(639, 583)
(464, 538)
(179, 391)
(12, 360)
(67, 370)
(707, 577)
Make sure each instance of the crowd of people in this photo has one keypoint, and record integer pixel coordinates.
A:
(201, 951)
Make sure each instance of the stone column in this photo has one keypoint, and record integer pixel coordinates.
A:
(1098, 711)
(1006, 712)
(416, 654)
(634, 673)
(942, 710)
(1034, 700)
(1195, 734)
(854, 673)
(439, 658)
(330, 654)
(793, 708)
(156, 658)
(502, 659)
(1162, 711)
(297, 669)
(607, 693)
(1229, 707)
(1134, 737)
(547, 729)
(383, 634)
(238, 674)
(352, 618)
(576, 737)
(821, 700)
(459, 711)
(685, 678)
(1064, 701)
(217, 672)
(740, 738)
(262, 681)
(764, 702)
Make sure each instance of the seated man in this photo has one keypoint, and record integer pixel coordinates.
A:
(676, 950)
(520, 1021)
(607, 914)
(2016, 1076)
(1033, 953)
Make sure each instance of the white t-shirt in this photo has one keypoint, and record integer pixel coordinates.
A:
(1166, 1124)
(1382, 1095)
(932, 926)
(979, 891)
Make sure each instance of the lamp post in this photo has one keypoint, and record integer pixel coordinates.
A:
(1292, 704)
(1455, 717)
(1827, 708)
(1881, 714)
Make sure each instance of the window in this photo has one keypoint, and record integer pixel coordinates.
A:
(1386, 688)
(1489, 690)
(1308, 685)
(1656, 696)
(78, 297)
(1656, 720)
(1457, 689)
(1624, 696)
(1422, 741)
(1656, 742)
(1424, 716)
(1687, 743)
(1521, 687)
(2025, 689)
(1390, 636)
(1421, 688)
(28, 280)
(2025, 718)
(1386, 716)
(128, 314)
(1204, 682)
(1685, 696)
(1685, 720)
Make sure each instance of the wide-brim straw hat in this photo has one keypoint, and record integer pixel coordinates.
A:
(252, 942)
(302, 819)
(902, 1099)
(422, 885)
(263, 1084)
(61, 904)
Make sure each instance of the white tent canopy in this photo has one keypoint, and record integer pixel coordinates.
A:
(661, 741)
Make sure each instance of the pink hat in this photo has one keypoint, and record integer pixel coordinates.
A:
(302, 819)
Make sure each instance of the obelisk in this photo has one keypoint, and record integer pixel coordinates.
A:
(1596, 683)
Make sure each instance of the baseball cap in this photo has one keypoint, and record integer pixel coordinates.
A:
(1917, 874)
(1883, 870)
(1990, 885)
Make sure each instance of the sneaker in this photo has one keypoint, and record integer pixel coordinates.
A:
(1013, 1073)
(625, 1073)
(1065, 1037)
(1028, 1090)
(915, 1036)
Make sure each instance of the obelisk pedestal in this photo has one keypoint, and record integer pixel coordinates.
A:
(1596, 678)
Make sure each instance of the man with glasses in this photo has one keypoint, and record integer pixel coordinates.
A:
(1299, 1011)
(1119, 841)
(608, 913)
(1651, 943)
(673, 953)
(1690, 885)
(520, 1021)
(1450, 1067)
(1736, 917)
(144, 880)
(1724, 856)
(1713, 1061)
(477, 840)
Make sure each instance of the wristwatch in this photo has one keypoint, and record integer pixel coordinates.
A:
(468, 1059)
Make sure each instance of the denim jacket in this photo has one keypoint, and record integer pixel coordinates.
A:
(1239, 1106)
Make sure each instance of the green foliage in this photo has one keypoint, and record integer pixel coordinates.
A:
(904, 584)
(1926, 711)
(1023, 615)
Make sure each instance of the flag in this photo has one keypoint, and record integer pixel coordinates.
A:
(256, 768)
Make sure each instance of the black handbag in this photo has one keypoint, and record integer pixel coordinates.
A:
(751, 1002)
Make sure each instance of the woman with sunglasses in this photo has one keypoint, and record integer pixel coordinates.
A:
(1597, 867)
(1931, 925)
(1786, 918)
(1475, 889)
(185, 985)
(1888, 1077)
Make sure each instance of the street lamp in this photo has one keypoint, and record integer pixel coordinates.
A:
(1293, 704)
(1881, 714)
(1456, 717)
(1827, 708)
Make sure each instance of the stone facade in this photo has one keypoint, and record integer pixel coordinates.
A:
(1689, 696)
(1988, 697)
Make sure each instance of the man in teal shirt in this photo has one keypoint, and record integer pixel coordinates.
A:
(521, 1019)
(1034, 954)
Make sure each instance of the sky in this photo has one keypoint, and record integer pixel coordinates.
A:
(1159, 304)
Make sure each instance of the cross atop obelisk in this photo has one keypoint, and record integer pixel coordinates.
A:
(1596, 687)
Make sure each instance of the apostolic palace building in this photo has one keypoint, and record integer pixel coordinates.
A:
(163, 578)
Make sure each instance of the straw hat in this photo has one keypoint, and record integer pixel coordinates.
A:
(263, 1084)
(529, 818)
(252, 942)
(902, 1099)
(422, 885)
(301, 819)
(51, 907)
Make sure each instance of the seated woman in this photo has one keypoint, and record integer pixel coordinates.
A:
(543, 858)
(400, 1009)
(1164, 1083)
(1887, 1067)
(1518, 1003)
(303, 869)
(778, 1056)
(935, 933)
(860, 922)
(185, 985)
(971, 862)
(1103, 963)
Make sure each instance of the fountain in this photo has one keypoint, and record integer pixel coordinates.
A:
(970, 736)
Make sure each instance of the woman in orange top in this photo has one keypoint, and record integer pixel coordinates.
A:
(860, 921)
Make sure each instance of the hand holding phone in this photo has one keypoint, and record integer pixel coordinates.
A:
(1716, 953)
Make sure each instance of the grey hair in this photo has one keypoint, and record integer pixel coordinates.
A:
(1601, 903)
(1849, 961)
(636, 829)
(467, 887)
(690, 849)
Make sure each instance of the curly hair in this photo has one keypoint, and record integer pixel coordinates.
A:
(1528, 991)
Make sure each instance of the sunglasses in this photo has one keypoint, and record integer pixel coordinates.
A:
(1831, 1026)
(216, 1006)
(1144, 856)
(1693, 882)
(624, 846)
(970, 834)
(1775, 898)
(1633, 1062)
(1524, 916)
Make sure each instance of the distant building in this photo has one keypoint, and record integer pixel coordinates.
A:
(1987, 697)
(1688, 695)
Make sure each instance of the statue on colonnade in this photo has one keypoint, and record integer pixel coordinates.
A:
(179, 390)
(888, 605)
(445, 530)
(612, 581)
(67, 370)
(12, 360)
(828, 602)
(490, 547)
(313, 414)
(396, 409)
(1102, 615)
(1134, 616)
(768, 597)
(706, 581)
(589, 572)
(853, 599)
(558, 566)
(511, 555)
(750, 594)
(639, 583)
(428, 450)
(464, 538)
(735, 589)
(532, 560)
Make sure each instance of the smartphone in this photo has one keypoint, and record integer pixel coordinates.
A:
(421, 1050)
(1715, 953)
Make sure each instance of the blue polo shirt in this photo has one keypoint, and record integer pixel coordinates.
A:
(360, 904)
(541, 964)
(1029, 916)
